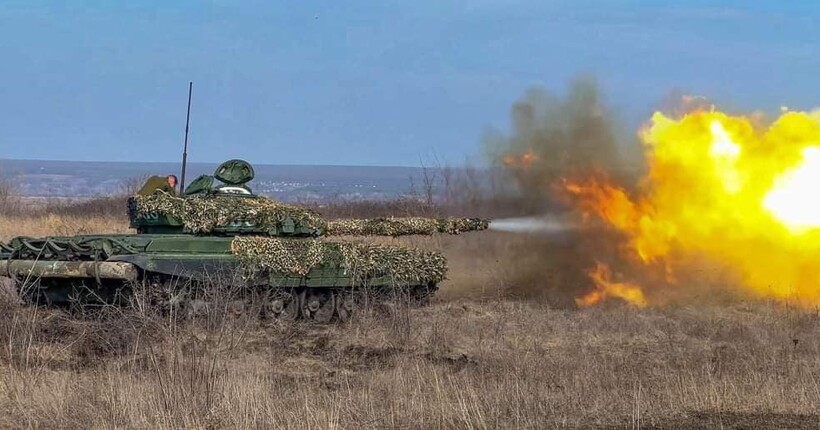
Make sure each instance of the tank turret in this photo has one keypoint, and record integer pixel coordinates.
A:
(227, 208)
(230, 208)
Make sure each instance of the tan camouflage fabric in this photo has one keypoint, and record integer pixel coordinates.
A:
(404, 226)
(361, 260)
(203, 214)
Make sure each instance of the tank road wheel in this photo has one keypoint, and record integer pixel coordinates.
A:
(320, 305)
(420, 295)
(168, 296)
(345, 305)
(284, 304)
(29, 292)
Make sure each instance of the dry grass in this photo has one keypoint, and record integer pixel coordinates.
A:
(461, 364)
(21, 218)
(63, 225)
(501, 348)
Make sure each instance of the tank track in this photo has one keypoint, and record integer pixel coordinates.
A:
(191, 299)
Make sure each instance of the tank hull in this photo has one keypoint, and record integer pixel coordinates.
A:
(109, 268)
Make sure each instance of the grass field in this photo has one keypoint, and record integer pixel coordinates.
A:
(501, 347)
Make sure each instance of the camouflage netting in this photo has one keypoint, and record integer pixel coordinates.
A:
(299, 256)
(203, 214)
(404, 226)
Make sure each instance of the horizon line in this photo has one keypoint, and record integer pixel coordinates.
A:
(219, 162)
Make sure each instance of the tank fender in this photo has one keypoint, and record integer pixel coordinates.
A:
(182, 266)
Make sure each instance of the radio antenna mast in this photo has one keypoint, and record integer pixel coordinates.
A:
(185, 148)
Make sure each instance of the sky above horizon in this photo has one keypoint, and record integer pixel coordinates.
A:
(369, 83)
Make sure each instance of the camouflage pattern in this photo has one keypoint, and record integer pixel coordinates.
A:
(361, 260)
(201, 214)
(404, 226)
(204, 213)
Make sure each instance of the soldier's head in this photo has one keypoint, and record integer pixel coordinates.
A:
(172, 180)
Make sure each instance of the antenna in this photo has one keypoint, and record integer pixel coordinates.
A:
(185, 148)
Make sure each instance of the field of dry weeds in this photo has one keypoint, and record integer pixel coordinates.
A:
(501, 347)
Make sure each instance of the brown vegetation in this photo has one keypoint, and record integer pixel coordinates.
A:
(17, 218)
(456, 364)
(502, 347)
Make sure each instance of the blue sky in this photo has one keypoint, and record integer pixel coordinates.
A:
(374, 83)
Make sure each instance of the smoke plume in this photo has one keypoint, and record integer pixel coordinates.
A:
(553, 137)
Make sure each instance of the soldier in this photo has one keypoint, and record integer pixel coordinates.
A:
(158, 183)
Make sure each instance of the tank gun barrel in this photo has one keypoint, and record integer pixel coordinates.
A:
(404, 226)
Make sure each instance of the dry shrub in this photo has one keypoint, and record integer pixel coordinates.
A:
(53, 224)
(9, 199)
(101, 215)
(114, 207)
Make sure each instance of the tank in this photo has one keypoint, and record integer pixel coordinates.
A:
(289, 258)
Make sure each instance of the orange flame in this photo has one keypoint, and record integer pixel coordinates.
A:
(724, 188)
(605, 289)
(523, 161)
